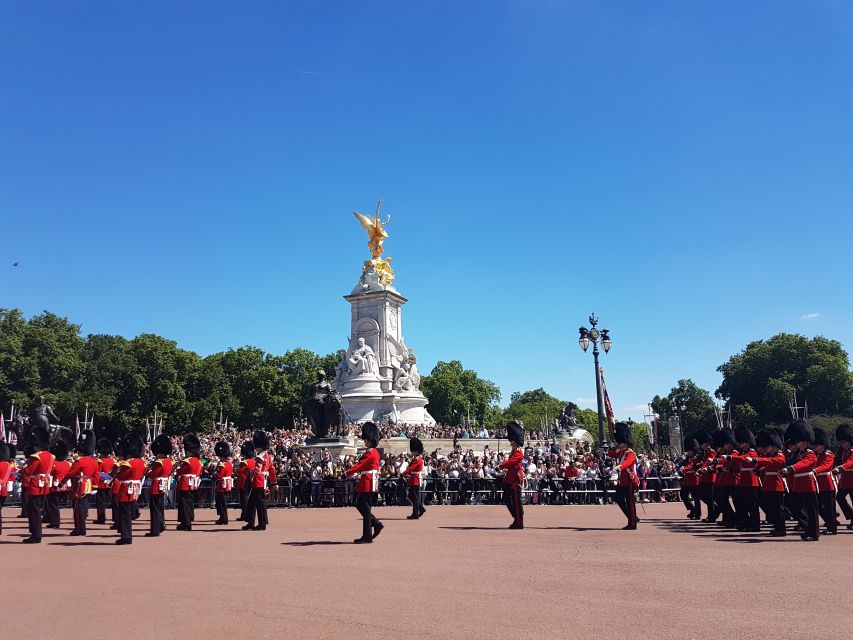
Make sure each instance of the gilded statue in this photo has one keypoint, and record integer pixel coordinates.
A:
(376, 235)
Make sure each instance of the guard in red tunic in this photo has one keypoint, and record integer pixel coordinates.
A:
(244, 476)
(224, 480)
(7, 469)
(188, 481)
(628, 481)
(103, 497)
(115, 487)
(803, 481)
(769, 463)
(706, 469)
(366, 470)
(414, 474)
(513, 478)
(726, 476)
(131, 470)
(83, 477)
(690, 480)
(59, 484)
(747, 489)
(160, 475)
(263, 475)
(844, 471)
(38, 478)
(825, 482)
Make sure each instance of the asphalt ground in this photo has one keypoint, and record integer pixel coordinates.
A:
(455, 573)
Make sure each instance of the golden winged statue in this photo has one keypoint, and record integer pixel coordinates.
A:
(375, 230)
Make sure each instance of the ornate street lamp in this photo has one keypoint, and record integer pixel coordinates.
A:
(594, 335)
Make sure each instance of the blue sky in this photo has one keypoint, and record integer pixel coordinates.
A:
(683, 169)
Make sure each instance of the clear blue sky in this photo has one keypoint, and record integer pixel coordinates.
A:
(684, 169)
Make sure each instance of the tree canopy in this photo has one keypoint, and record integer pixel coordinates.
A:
(698, 412)
(454, 392)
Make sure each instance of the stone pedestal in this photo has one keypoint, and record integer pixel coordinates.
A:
(344, 446)
(378, 379)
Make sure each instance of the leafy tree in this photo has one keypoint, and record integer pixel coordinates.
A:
(766, 374)
(531, 407)
(453, 391)
(697, 414)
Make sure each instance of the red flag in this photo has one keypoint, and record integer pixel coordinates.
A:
(608, 408)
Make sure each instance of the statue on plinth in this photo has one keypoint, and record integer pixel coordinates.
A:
(323, 407)
(406, 376)
(362, 360)
(376, 235)
(568, 423)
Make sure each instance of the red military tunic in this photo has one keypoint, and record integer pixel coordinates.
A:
(159, 475)
(845, 481)
(264, 472)
(770, 466)
(129, 479)
(244, 472)
(6, 469)
(224, 478)
(803, 473)
(726, 476)
(83, 474)
(823, 471)
(708, 466)
(189, 474)
(58, 482)
(105, 465)
(367, 469)
(627, 460)
(37, 473)
(414, 471)
(746, 476)
(113, 484)
(690, 478)
(514, 473)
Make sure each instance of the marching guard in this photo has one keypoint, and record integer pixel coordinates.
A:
(689, 492)
(261, 476)
(188, 480)
(59, 486)
(37, 485)
(224, 480)
(747, 486)
(160, 474)
(844, 471)
(770, 461)
(414, 473)
(628, 481)
(826, 486)
(803, 462)
(244, 474)
(367, 472)
(103, 496)
(513, 479)
(705, 467)
(129, 480)
(83, 475)
(7, 468)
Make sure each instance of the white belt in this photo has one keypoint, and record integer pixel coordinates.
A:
(163, 484)
(803, 475)
(226, 482)
(828, 473)
(750, 469)
(134, 487)
(193, 481)
(771, 473)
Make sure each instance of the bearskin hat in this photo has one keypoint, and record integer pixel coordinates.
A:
(799, 431)
(515, 433)
(5, 454)
(247, 449)
(118, 448)
(370, 432)
(40, 438)
(820, 436)
(768, 438)
(192, 445)
(222, 449)
(742, 434)
(844, 432)
(691, 444)
(622, 434)
(702, 437)
(86, 443)
(133, 446)
(162, 445)
(722, 437)
(60, 450)
(105, 447)
(416, 446)
(261, 440)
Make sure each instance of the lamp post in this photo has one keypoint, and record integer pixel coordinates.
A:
(595, 336)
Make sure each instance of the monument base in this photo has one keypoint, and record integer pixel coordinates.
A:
(343, 446)
(393, 407)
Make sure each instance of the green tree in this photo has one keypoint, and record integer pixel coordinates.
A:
(454, 391)
(698, 412)
(532, 407)
(766, 374)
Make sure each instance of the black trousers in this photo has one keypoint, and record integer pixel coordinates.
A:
(746, 505)
(103, 499)
(52, 509)
(415, 499)
(257, 507)
(221, 506)
(722, 499)
(773, 508)
(80, 509)
(2, 502)
(687, 500)
(157, 512)
(512, 500)
(826, 508)
(706, 492)
(124, 513)
(805, 509)
(624, 497)
(244, 501)
(25, 502)
(186, 508)
(364, 504)
(844, 504)
(35, 504)
(697, 501)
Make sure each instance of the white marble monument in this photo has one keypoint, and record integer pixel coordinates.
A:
(378, 377)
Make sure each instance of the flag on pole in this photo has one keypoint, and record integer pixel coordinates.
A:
(92, 423)
(2, 428)
(608, 408)
(147, 431)
(76, 427)
(160, 428)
